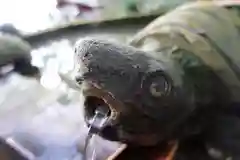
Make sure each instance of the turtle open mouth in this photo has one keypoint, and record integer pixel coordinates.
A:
(94, 104)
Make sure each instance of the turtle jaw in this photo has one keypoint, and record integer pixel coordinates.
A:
(114, 130)
(96, 97)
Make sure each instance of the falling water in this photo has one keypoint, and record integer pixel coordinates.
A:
(97, 123)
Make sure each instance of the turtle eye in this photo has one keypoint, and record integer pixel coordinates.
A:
(157, 84)
(159, 87)
(156, 90)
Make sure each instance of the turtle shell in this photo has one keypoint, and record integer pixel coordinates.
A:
(207, 30)
(12, 48)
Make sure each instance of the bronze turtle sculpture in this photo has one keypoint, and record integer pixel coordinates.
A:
(178, 80)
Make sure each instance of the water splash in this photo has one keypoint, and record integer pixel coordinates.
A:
(97, 123)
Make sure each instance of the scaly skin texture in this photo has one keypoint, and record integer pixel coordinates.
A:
(127, 82)
(176, 79)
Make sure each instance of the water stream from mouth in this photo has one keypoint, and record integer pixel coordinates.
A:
(97, 123)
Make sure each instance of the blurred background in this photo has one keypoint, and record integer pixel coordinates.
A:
(44, 116)
(31, 16)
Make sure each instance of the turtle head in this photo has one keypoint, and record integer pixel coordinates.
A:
(17, 51)
(24, 67)
(146, 98)
(8, 28)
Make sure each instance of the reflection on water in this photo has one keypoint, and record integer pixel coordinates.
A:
(34, 149)
(54, 59)
(47, 128)
(50, 78)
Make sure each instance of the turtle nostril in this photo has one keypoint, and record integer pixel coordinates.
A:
(79, 80)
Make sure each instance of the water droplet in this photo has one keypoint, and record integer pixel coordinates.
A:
(97, 123)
